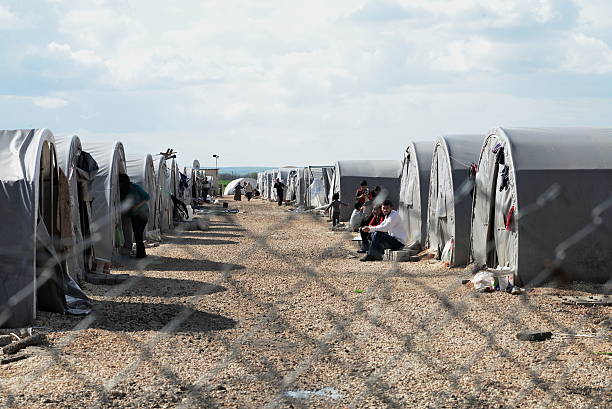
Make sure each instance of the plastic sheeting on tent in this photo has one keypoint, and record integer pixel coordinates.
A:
(229, 189)
(80, 169)
(537, 189)
(108, 223)
(163, 202)
(450, 195)
(318, 183)
(33, 274)
(414, 190)
(349, 174)
(141, 171)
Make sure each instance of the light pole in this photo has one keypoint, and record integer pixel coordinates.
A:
(217, 171)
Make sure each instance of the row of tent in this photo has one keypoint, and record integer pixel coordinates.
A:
(534, 202)
(62, 219)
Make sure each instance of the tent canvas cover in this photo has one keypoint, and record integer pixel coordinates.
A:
(414, 189)
(450, 195)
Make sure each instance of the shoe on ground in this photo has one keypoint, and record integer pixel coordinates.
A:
(368, 258)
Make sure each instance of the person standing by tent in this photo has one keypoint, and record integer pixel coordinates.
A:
(363, 193)
(335, 206)
(134, 204)
(238, 192)
(248, 191)
(205, 188)
(390, 234)
(280, 191)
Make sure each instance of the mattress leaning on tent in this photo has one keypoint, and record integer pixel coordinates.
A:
(80, 169)
(33, 273)
(141, 171)
(450, 196)
(414, 190)
(349, 173)
(542, 204)
(108, 219)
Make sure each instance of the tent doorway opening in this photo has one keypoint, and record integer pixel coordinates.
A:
(49, 268)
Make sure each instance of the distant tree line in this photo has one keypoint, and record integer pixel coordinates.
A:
(231, 176)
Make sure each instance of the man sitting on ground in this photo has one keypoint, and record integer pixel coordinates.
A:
(375, 219)
(390, 234)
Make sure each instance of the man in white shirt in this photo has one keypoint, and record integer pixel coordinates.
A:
(390, 234)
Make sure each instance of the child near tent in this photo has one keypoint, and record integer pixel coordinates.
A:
(335, 206)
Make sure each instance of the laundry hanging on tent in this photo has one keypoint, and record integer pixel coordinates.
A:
(500, 158)
(505, 182)
(473, 170)
(509, 218)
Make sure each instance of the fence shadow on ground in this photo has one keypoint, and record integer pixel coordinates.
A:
(203, 241)
(162, 287)
(134, 316)
(163, 263)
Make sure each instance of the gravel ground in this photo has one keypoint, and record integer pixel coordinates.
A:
(268, 308)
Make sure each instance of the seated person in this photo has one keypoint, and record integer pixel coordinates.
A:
(356, 217)
(375, 219)
(390, 234)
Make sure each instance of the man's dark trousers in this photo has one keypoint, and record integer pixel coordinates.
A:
(382, 241)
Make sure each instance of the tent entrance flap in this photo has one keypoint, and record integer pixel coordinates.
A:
(492, 258)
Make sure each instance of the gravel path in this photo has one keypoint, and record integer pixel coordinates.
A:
(268, 308)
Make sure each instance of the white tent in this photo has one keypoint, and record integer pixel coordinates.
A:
(349, 174)
(108, 220)
(141, 171)
(229, 189)
(32, 274)
(450, 195)
(542, 204)
(80, 169)
(414, 190)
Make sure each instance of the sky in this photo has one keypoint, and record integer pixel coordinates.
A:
(282, 82)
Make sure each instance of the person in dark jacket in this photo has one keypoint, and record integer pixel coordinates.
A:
(280, 191)
(134, 204)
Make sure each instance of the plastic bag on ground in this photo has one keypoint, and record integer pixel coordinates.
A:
(484, 281)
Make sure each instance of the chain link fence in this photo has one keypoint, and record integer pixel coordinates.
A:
(448, 305)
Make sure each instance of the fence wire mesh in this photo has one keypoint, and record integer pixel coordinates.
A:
(408, 335)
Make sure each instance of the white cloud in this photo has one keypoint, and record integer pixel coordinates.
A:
(86, 57)
(49, 102)
(8, 20)
(588, 55)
